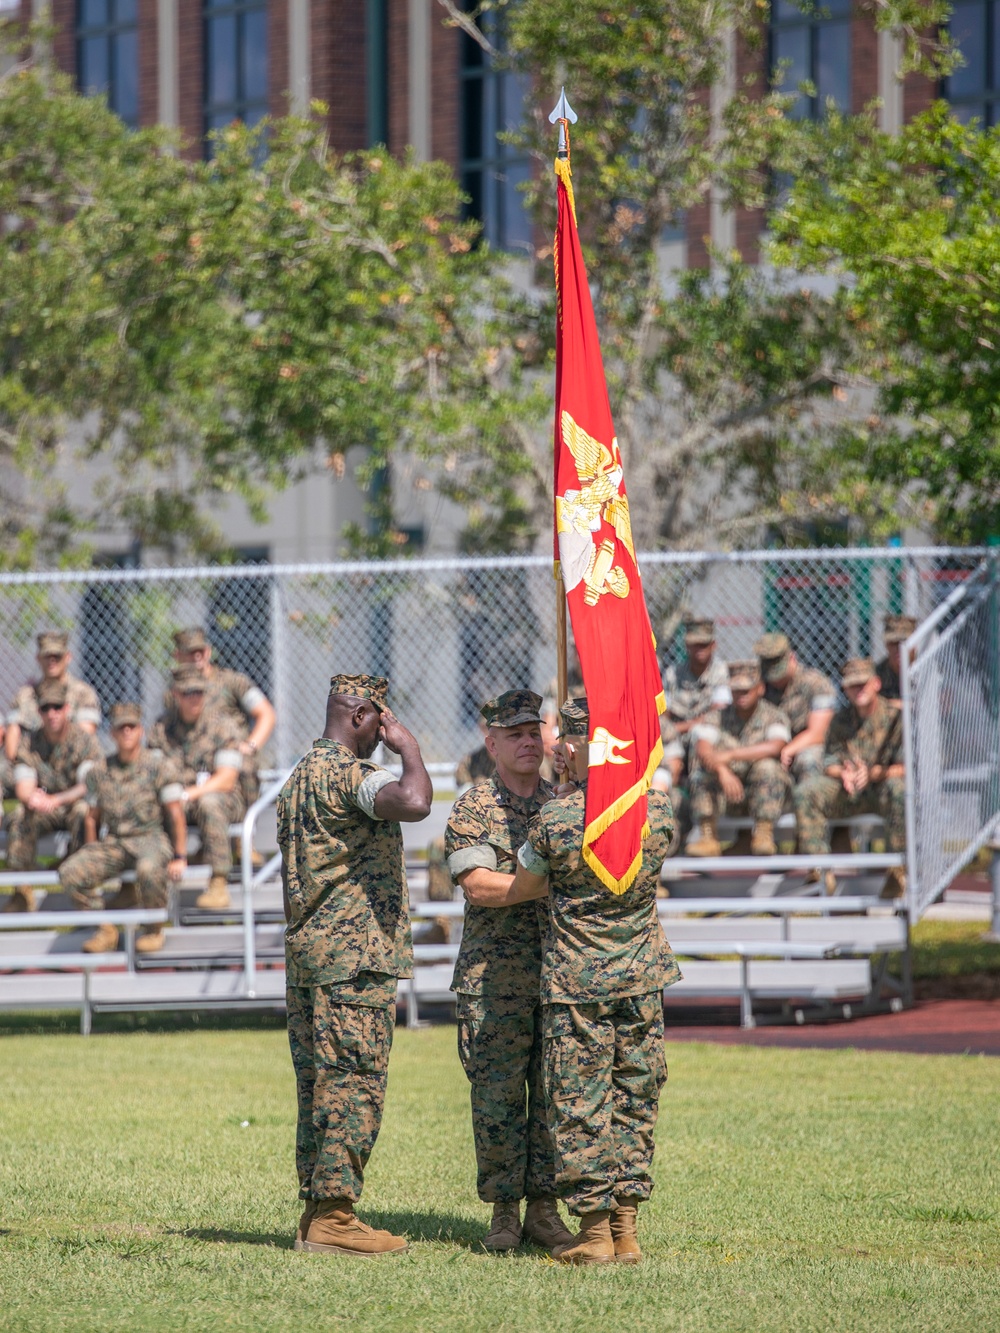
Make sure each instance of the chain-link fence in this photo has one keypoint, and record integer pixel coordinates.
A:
(951, 685)
(448, 633)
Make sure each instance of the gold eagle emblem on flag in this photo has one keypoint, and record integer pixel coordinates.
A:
(581, 513)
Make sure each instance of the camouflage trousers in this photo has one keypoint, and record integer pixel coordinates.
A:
(604, 1068)
(500, 1046)
(148, 856)
(822, 799)
(808, 763)
(766, 786)
(212, 815)
(26, 826)
(340, 1053)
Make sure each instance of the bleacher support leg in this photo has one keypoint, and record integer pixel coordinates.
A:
(86, 1012)
(746, 1004)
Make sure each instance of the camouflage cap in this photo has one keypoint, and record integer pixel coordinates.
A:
(512, 708)
(856, 671)
(744, 675)
(699, 630)
(51, 692)
(187, 680)
(774, 651)
(373, 688)
(190, 640)
(52, 641)
(898, 628)
(124, 713)
(574, 718)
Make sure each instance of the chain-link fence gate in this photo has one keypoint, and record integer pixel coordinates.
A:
(450, 633)
(951, 685)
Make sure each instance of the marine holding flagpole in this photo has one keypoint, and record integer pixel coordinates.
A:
(594, 856)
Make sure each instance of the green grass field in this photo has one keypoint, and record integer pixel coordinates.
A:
(147, 1182)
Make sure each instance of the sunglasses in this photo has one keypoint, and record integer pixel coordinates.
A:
(126, 726)
(51, 708)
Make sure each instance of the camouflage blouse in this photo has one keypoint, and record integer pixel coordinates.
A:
(600, 945)
(807, 692)
(131, 796)
(689, 696)
(197, 747)
(877, 739)
(347, 894)
(501, 950)
(765, 723)
(57, 765)
(84, 706)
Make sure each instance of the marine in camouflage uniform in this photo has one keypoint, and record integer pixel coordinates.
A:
(496, 980)
(897, 629)
(867, 732)
(52, 761)
(130, 794)
(766, 784)
(804, 695)
(691, 698)
(347, 943)
(605, 964)
(236, 698)
(84, 706)
(203, 748)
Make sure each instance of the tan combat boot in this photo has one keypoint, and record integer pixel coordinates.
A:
(707, 842)
(505, 1229)
(543, 1226)
(827, 876)
(762, 839)
(894, 885)
(20, 900)
(334, 1229)
(302, 1230)
(151, 939)
(592, 1244)
(103, 940)
(216, 895)
(624, 1233)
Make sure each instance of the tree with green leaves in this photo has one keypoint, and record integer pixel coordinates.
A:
(731, 390)
(910, 227)
(195, 329)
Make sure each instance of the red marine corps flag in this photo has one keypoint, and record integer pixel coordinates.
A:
(596, 558)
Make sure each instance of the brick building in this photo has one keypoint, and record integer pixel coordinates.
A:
(392, 71)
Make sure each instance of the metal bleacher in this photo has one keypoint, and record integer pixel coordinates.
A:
(747, 930)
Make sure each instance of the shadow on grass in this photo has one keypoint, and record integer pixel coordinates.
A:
(416, 1226)
(278, 1240)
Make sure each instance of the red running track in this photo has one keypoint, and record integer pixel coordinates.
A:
(931, 1027)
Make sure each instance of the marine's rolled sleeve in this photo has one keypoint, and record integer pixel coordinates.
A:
(370, 787)
(252, 699)
(228, 759)
(778, 731)
(704, 731)
(532, 860)
(481, 857)
(85, 715)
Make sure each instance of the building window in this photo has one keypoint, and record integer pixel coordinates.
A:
(974, 88)
(235, 62)
(807, 48)
(107, 54)
(492, 101)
